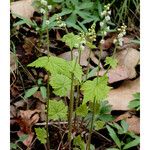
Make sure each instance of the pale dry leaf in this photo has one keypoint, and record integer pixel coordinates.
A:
(31, 116)
(127, 61)
(132, 121)
(41, 107)
(22, 8)
(13, 62)
(28, 45)
(128, 58)
(84, 56)
(134, 124)
(117, 74)
(119, 98)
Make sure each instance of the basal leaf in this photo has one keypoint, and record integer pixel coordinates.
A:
(57, 110)
(61, 84)
(79, 142)
(132, 143)
(111, 61)
(82, 110)
(114, 136)
(41, 134)
(43, 91)
(96, 89)
(99, 125)
(71, 40)
(30, 92)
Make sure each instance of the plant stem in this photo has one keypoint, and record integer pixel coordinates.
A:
(91, 127)
(70, 120)
(94, 102)
(88, 66)
(48, 88)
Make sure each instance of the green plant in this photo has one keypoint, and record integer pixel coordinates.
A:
(31, 91)
(135, 103)
(122, 137)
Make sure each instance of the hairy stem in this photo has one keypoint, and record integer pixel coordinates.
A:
(48, 88)
(91, 127)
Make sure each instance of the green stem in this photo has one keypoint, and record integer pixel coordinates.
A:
(94, 102)
(88, 66)
(91, 127)
(70, 121)
(48, 88)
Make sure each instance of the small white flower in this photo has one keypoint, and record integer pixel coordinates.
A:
(109, 12)
(50, 7)
(47, 22)
(124, 32)
(120, 35)
(103, 13)
(104, 33)
(115, 41)
(108, 28)
(120, 40)
(44, 2)
(42, 11)
(101, 24)
(102, 41)
(107, 18)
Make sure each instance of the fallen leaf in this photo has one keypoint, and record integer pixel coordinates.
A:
(84, 56)
(127, 61)
(119, 98)
(128, 58)
(22, 8)
(28, 45)
(41, 107)
(13, 62)
(117, 74)
(132, 121)
(134, 124)
(26, 120)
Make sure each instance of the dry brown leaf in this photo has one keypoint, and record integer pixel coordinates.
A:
(134, 124)
(127, 61)
(28, 45)
(22, 8)
(128, 58)
(132, 121)
(119, 98)
(38, 95)
(13, 62)
(41, 107)
(84, 56)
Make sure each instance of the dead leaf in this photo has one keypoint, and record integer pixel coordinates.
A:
(28, 45)
(84, 56)
(119, 98)
(127, 61)
(129, 58)
(41, 107)
(132, 121)
(22, 8)
(134, 124)
(38, 95)
(13, 62)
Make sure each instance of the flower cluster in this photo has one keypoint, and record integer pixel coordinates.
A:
(44, 6)
(105, 15)
(60, 23)
(122, 32)
(91, 34)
